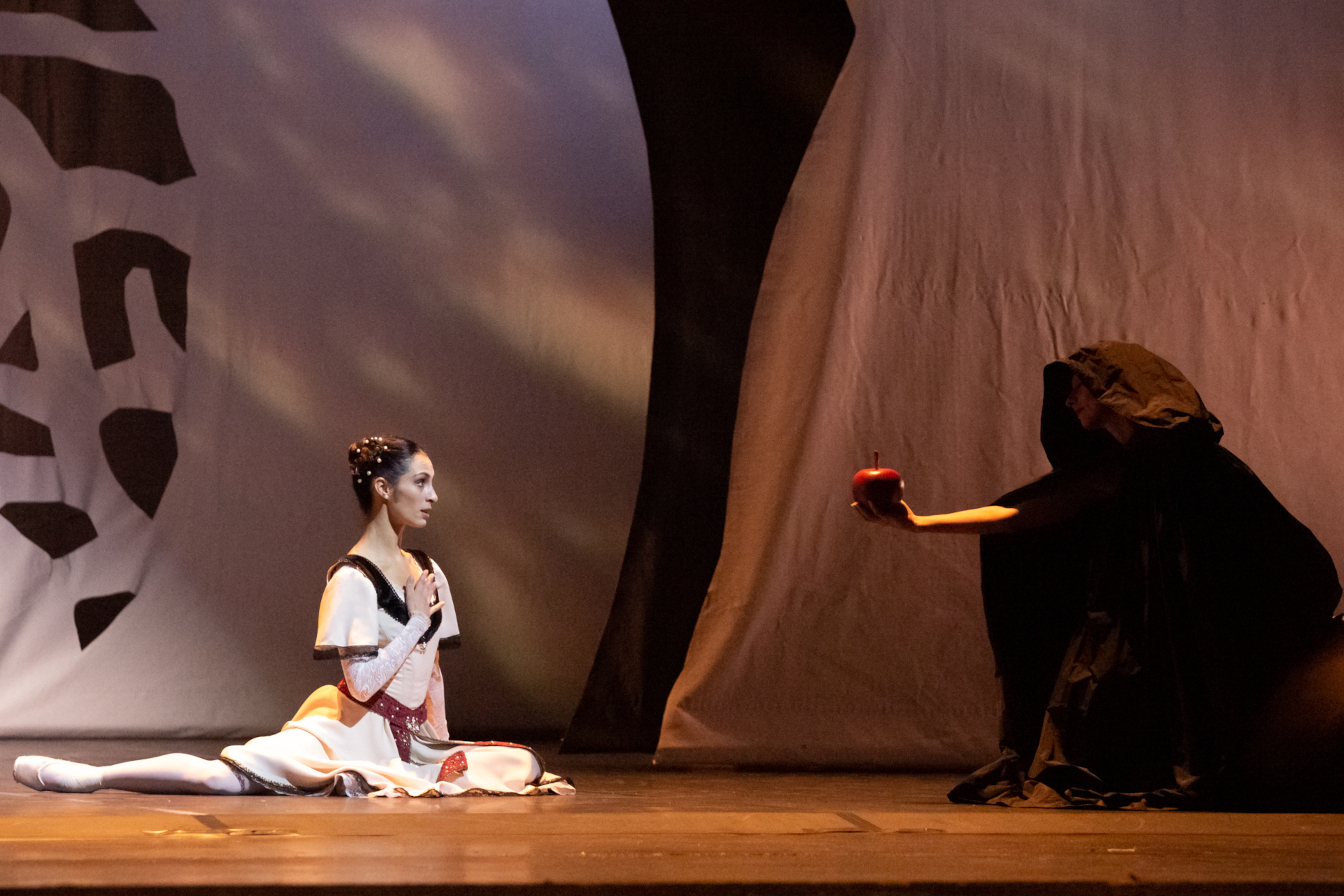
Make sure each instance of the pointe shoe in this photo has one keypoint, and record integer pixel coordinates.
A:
(45, 773)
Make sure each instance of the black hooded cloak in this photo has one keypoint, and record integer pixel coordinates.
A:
(1139, 640)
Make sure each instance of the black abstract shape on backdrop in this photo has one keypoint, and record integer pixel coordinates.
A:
(18, 349)
(90, 116)
(86, 115)
(94, 614)
(141, 449)
(101, 264)
(97, 15)
(24, 436)
(53, 526)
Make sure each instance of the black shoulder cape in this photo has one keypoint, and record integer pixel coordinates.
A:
(388, 601)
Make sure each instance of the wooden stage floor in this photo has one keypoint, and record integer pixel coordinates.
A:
(639, 829)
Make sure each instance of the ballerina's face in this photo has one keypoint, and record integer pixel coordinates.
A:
(410, 500)
(1090, 412)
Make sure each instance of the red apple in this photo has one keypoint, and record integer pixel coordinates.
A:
(878, 487)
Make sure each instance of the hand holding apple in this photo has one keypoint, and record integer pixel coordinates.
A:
(878, 489)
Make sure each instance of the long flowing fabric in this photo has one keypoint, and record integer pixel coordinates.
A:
(724, 145)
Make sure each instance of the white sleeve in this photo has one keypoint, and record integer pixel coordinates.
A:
(347, 623)
(448, 631)
(367, 674)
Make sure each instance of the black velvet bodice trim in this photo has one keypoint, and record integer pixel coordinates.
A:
(388, 601)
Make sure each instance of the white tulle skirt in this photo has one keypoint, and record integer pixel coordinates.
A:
(335, 747)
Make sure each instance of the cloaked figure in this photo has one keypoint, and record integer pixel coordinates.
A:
(1161, 625)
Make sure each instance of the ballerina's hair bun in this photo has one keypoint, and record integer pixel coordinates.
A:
(374, 457)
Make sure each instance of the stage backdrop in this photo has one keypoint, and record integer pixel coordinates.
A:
(990, 186)
(236, 235)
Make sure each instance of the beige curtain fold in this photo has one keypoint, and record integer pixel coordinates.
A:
(991, 186)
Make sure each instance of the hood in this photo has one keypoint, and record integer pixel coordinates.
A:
(1133, 382)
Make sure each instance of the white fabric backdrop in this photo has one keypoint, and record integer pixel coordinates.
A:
(430, 218)
(991, 186)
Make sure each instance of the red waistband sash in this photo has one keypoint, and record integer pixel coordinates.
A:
(400, 717)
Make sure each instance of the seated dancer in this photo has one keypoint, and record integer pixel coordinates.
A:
(381, 731)
(1145, 601)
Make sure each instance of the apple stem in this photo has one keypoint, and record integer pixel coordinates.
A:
(875, 460)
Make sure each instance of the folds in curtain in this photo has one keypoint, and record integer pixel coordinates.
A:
(991, 186)
(729, 94)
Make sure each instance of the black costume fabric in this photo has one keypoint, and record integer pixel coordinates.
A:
(389, 601)
(1140, 635)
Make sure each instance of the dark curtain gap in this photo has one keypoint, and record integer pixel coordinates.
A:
(729, 95)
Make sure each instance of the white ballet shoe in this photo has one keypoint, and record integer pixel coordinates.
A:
(45, 773)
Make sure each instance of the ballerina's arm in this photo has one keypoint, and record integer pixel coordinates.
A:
(367, 675)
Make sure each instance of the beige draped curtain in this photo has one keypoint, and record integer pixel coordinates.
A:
(991, 186)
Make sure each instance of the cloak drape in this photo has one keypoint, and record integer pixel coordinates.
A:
(1139, 641)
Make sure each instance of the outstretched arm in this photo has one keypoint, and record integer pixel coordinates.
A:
(1050, 500)
(975, 521)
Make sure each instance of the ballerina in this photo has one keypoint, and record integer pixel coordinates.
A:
(382, 730)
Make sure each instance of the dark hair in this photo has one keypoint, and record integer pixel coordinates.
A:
(385, 456)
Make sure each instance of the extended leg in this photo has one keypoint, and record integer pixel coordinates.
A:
(170, 773)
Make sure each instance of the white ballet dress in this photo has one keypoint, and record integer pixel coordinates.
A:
(343, 746)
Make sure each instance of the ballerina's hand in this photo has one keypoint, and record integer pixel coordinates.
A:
(422, 595)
